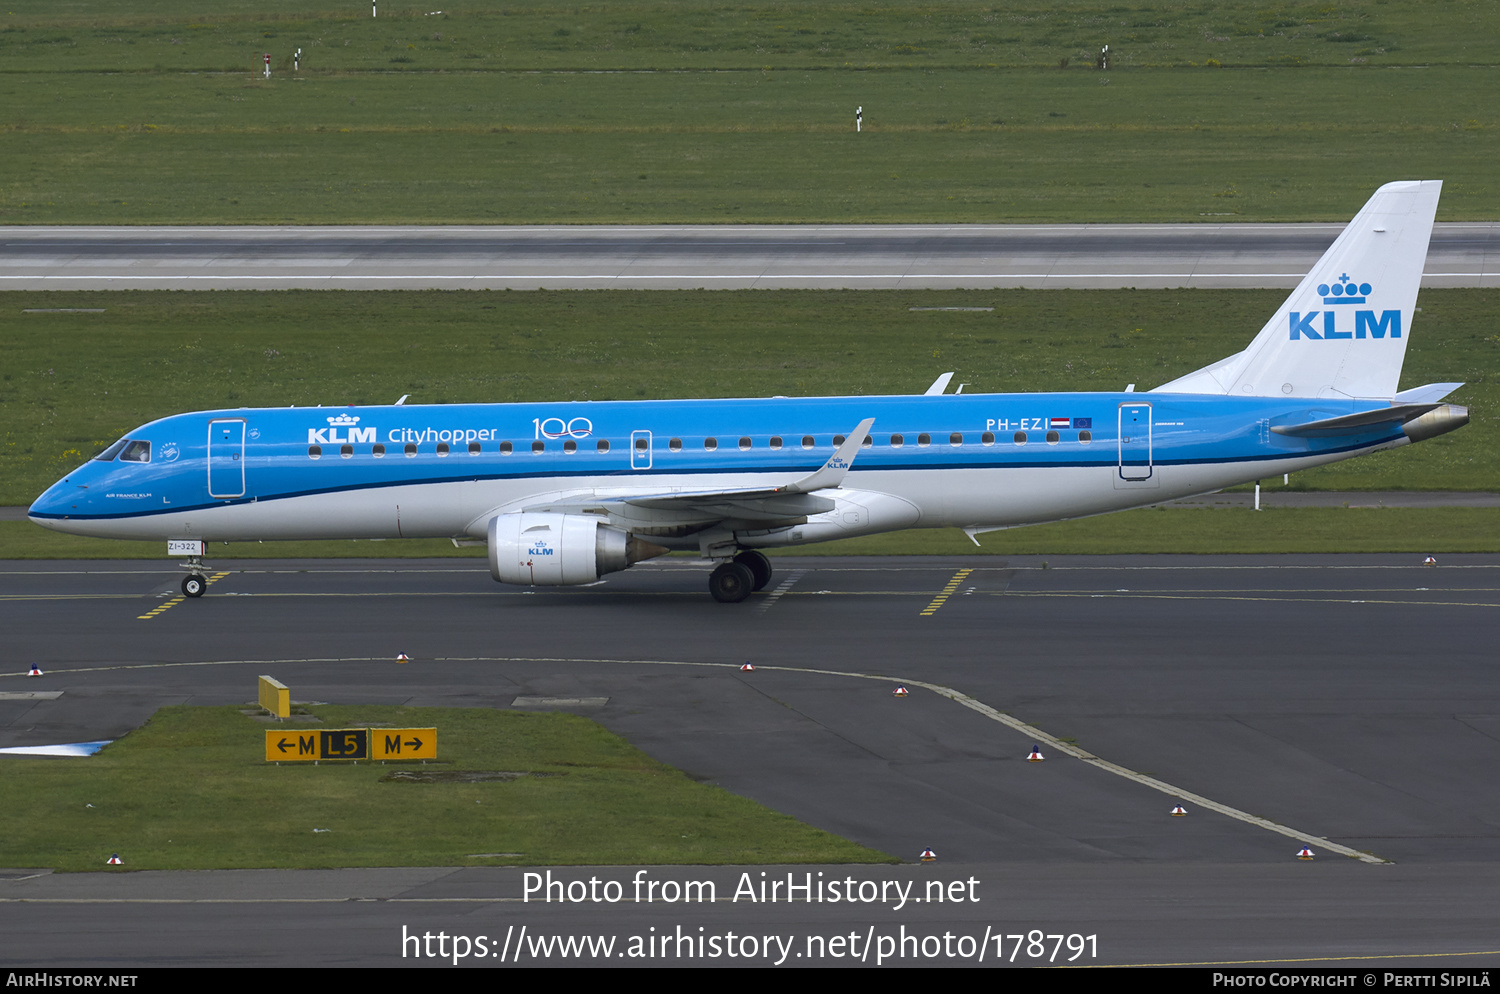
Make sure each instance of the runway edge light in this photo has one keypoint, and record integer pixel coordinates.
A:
(747, 668)
(928, 856)
(402, 658)
(115, 860)
(1305, 853)
(900, 691)
(35, 670)
(1430, 561)
(1179, 811)
(1036, 754)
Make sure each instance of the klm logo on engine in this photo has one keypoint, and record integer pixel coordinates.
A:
(540, 549)
(1342, 293)
(331, 436)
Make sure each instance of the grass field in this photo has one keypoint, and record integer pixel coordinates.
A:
(74, 382)
(690, 111)
(191, 790)
(230, 35)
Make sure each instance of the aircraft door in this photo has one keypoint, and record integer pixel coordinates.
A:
(640, 450)
(1135, 442)
(226, 458)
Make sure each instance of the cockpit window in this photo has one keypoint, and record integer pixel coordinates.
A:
(137, 450)
(114, 450)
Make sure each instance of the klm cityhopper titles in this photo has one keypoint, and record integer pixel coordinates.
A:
(565, 493)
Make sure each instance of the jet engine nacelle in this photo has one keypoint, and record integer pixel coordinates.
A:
(544, 548)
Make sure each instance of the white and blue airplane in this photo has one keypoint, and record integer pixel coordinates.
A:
(564, 493)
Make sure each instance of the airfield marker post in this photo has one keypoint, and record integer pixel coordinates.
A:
(268, 65)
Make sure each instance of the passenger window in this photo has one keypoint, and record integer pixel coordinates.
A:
(710, 444)
(867, 442)
(315, 452)
(1085, 437)
(572, 446)
(136, 451)
(807, 441)
(505, 448)
(1020, 438)
(346, 451)
(956, 438)
(603, 445)
(442, 448)
(537, 448)
(744, 443)
(924, 440)
(1053, 438)
(838, 440)
(473, 448)
(411, 450)
(675, 445)
(378, 451)
(988, 438)
(897, 441)
(775, 441)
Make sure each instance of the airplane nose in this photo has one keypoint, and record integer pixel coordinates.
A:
(56, 502)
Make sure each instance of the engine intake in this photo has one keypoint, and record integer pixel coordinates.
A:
(547, 549)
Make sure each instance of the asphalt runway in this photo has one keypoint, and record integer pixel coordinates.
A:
(703, 256)
(1346, 703)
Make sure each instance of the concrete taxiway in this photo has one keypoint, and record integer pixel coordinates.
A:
(703, 256)
(1347, 703)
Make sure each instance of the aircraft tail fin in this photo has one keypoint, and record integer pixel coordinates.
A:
(1343, 331)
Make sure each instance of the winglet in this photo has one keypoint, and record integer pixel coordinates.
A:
(831, 473)
(939, 385)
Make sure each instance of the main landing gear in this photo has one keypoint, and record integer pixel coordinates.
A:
(733, 581)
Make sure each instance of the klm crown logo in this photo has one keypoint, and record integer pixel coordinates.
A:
(1367, 324)
(330, 435)
(1344, 291)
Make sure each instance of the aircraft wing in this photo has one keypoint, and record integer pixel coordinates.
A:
(790, 503)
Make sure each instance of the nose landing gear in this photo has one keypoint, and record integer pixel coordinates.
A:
(195, 583)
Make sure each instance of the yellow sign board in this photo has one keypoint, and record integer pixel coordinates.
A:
(316, 744)
(275, 697)
(403, 743)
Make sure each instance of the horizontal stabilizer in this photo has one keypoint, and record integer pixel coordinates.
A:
(1429, 393)
(1356, 424)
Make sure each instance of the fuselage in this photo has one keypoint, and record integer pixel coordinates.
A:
(975, 460)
